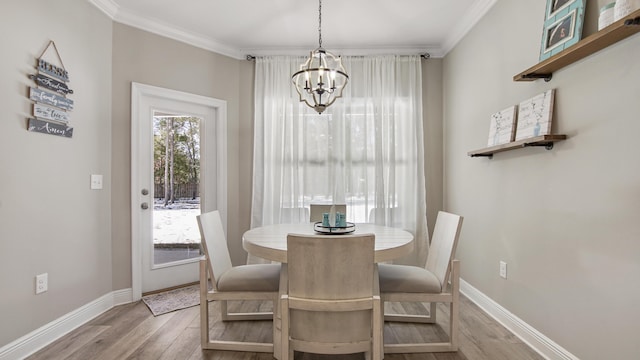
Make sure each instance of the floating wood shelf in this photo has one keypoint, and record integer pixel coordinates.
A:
(543, 140)
(611, 34)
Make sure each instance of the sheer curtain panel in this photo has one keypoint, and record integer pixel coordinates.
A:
(365, 150)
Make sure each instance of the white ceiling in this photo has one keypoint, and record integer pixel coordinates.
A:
(238, 28)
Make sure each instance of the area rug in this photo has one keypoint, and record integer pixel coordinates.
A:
(172, 300)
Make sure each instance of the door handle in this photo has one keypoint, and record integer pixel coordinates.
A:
(144, 206)
(145, 192)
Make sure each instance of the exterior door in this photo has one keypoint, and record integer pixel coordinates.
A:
(178, 171)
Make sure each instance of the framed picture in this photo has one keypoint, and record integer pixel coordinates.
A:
(535, 115)
(503, 126)
(562, 26)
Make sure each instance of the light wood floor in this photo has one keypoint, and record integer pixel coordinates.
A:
(132, 332)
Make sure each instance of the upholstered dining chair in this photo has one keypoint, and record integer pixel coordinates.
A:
(332, 305)
(401, 283)
(245, 282)
(318, 209)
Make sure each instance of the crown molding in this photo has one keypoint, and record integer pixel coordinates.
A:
(121, 15)
(477, 11)
(108, 7)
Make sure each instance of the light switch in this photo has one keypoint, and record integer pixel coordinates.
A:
(96, 182)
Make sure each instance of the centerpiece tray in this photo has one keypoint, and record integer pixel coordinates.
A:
(334, 230)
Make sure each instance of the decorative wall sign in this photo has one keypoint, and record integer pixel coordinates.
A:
(51, 84)
(52, 78)
(49, 113)
(503, 126)
(51, 70)
(50, 128)
(50, 99)
(535, 115)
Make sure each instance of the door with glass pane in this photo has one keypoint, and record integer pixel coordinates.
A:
(173, 152)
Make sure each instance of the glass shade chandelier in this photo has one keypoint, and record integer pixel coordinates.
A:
(322, 77)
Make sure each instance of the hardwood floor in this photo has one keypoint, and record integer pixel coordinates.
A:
(132, 332)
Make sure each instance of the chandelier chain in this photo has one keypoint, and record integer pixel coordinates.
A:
(320, 23)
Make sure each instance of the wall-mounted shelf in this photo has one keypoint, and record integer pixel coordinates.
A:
(543, 140)
(611, 34)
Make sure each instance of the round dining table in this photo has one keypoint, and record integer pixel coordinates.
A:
(270, 241)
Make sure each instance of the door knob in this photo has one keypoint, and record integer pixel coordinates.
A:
(145, 192)
(144, 206)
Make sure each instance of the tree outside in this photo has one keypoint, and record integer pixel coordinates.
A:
(176, 172)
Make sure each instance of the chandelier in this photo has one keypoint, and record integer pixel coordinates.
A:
(322, 77)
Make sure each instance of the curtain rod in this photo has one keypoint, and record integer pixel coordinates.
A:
(423, 55)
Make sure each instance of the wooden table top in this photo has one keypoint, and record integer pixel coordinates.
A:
(270, 242)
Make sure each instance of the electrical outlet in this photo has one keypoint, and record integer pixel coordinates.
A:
(96, 182)
(42, 283)
(503, 269)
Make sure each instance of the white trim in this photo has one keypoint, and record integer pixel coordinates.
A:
(469, 19)
(532, 337)
(218, 134)
(109, 7)
(121, 15)
(45, 335)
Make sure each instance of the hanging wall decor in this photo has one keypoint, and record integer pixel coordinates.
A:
(562, 26)
(51, 106)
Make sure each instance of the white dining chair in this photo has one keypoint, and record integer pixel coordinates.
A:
(332, 305)
(245, 282)
(402, 283)
(318, 209)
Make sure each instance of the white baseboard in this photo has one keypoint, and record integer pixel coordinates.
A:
(39, 338)
(532, 337)
(45, 335)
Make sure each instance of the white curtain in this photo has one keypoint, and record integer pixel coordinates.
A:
(365, 150)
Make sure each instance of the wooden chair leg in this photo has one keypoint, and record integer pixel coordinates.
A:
(432, 312)
(224, 313)
(285, 351)
(204, 305)
(455, 305)
(377, 324)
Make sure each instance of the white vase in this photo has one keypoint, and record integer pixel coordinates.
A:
(624, 8)
(606, 15)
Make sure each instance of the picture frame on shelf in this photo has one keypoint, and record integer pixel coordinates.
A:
(503, 126)
(535, 116)
(562, 26)
(555, 6)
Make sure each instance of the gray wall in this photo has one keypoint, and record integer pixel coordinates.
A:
(50, 221)
(142, 57)
(433, 155)
(566, 220)
(146, 58)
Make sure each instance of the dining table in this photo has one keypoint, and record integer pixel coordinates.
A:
(270, 242)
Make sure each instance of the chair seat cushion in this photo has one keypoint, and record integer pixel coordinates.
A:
(260, 277)
(407, 279)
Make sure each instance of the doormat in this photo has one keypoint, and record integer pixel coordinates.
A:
(172, 300)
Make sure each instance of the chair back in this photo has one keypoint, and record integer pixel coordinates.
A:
(294, 215)
(214, 244)
(443, 245)
(318, 209)
(330, 268)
